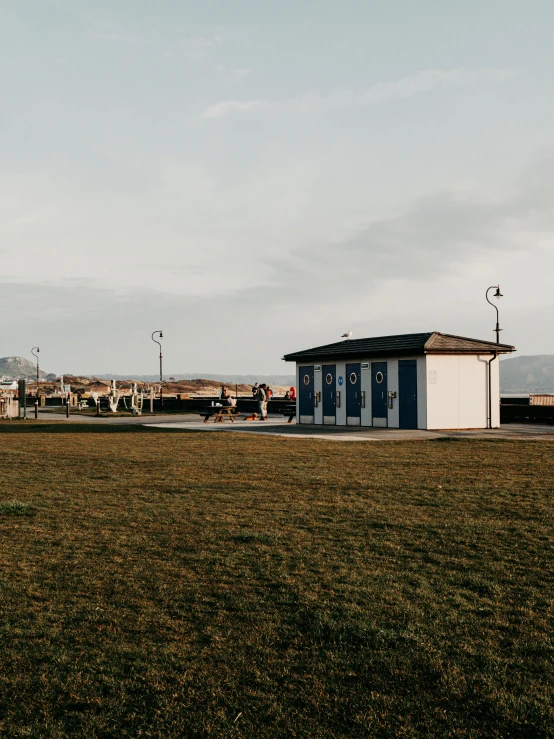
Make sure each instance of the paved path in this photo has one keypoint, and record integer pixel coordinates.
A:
(118, 419)
(340, 433)
(278, 426)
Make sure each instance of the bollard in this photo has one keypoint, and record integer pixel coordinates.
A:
(36, 409)
(67, 408)
(98, 407)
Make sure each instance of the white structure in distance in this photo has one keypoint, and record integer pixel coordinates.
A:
(426, 381)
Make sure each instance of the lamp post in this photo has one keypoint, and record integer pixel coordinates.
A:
(161, 374)
(36, 357)
(496, 295)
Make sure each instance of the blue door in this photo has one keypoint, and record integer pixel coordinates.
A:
(407, 393)
(353, 392)
(329, 393)
(306, 392)
(379, 390)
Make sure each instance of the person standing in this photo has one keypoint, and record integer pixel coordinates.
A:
(255, 390)
(262, 402)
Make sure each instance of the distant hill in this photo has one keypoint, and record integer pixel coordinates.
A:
(19, 368)
(281, 380)
(533, 374)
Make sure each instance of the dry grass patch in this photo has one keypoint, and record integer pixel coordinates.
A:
(170, 581)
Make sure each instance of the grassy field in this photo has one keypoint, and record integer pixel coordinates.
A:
(168, 584)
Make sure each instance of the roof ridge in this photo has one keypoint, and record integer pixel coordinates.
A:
(469, 338)
(401, 344)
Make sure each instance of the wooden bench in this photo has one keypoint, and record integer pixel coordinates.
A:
(220, 412)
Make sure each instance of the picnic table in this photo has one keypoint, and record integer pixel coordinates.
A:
(290, 411)
(220, 412)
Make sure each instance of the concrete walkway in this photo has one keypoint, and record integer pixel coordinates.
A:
(278, 426)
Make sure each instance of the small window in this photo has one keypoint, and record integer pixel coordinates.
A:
(353, 378)
(329, 378)
(306, 379)
(379, 377)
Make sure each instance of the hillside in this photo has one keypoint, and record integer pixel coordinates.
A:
(533, 374)
(19, 367)
(197, 386)
(281, 380)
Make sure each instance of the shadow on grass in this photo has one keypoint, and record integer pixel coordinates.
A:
(68, 427)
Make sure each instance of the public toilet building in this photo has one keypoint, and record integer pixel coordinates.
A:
(410, 381)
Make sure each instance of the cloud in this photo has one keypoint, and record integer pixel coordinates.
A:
(195, 48)
(119, 38)
(233, 73)
(423, 268)
(462, 231)
(220, 110)
(420, 83)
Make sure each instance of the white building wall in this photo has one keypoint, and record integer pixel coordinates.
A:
(341, 410)
(473, 400)
(495, 393)
(452, 391)
(421, 371)
(457, 391)
(442, 391)
(318, 388)
(392, 387)
(367, 419)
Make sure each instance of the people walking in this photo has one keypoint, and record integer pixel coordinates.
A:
(262, 402)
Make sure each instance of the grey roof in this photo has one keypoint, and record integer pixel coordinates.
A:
(431, 342)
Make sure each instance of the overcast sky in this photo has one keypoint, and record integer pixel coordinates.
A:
(256, 178)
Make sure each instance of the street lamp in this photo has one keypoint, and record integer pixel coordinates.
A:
(36, 357)
(161, 374)
(496, 295)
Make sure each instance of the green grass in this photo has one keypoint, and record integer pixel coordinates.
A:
(15, 508)
(168, 582)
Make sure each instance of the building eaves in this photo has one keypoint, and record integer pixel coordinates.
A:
(379, 346)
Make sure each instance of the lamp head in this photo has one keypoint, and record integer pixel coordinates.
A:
(161, 335)
(498, 294)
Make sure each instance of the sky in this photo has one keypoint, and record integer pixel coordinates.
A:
(255, 178)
